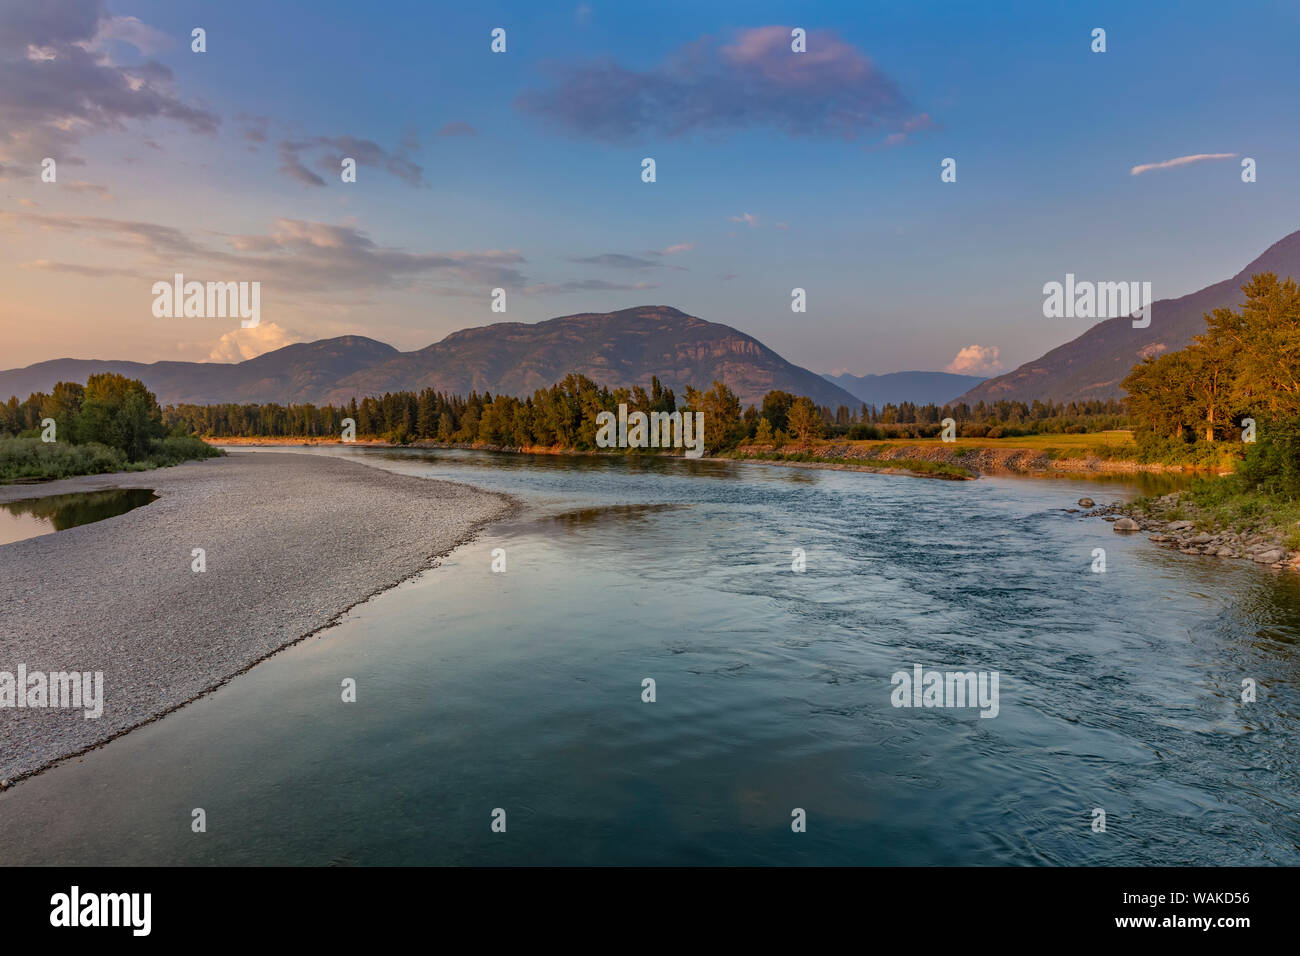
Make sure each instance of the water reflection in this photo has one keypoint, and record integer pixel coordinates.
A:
(36, 516)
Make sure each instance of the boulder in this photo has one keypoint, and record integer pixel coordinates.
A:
(1087, 503)
(1126, 524)
(1270, 557)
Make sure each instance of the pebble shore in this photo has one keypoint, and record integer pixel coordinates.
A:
(291, 542)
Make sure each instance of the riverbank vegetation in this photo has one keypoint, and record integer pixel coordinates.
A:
(1233, 393)
(1235, 389)
(112, 423)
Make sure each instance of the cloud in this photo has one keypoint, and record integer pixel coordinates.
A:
(57, 86)
(754, 81)
(72, 268)
(747, 218)
(78, 186)
(903, 135)
(674, 249)
(457, 129)
(618, 261)
(292, 167)
(587, 285)
(976, 360)
(131, 30)
(330, 152)
(295, 255)
(254, 128)
(1179, 161)
(238, 345)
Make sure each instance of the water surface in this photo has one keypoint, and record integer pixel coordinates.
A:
(36, 516)
(522, 691)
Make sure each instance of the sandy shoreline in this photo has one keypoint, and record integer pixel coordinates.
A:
(292, 541)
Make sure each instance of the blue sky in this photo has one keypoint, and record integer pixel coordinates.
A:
(491, 173)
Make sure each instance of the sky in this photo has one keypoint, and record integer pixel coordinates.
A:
(522, 170)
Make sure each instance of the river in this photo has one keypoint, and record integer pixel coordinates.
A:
(1118, 691)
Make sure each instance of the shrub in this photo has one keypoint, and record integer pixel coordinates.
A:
(178, 448)
(32, 458)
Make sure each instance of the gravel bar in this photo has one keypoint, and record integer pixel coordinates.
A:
(292, 541)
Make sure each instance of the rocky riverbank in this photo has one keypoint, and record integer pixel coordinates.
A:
(1173, 522)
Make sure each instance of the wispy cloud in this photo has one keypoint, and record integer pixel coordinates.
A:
(329, 152)
(300, 255)
(133, 31)
(1179, 161)
(457, 128)
(587, 285)
(76, 269)
(95, 189)
(754, 81)
(749, 219)
(618, 261)
(674, 249)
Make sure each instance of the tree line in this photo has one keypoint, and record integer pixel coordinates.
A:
(1243, 369)
(564, 415)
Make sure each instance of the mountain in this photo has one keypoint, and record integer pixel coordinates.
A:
(616, 349)
(896, 387)
(1092, 365)
(280, 376)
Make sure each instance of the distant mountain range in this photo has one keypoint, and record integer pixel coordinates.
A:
(897, 387)
(1092, 365)
(615, 349)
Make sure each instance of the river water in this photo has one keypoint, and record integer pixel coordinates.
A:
(522, 691)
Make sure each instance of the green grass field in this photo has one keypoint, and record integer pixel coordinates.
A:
(1116, 440)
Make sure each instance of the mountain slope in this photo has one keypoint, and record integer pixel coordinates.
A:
(615, 349)
(280, 376)
(1092, 365)
(896, 387)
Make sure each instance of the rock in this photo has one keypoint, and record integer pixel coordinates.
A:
(1180, 526)
(1086, 503)
(1201, 539)
(1226, 553)
(1270, 557)
(1157, 538)
(1126, 524)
